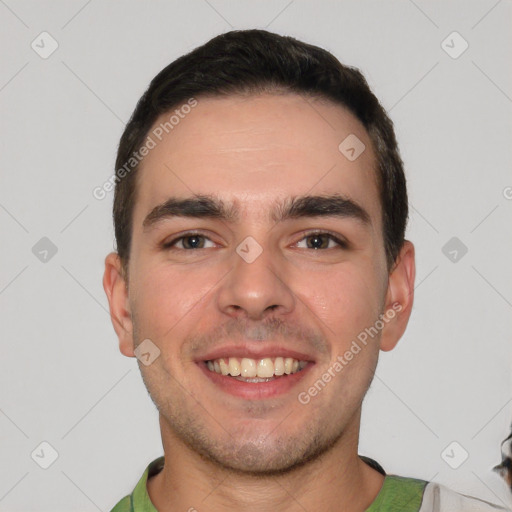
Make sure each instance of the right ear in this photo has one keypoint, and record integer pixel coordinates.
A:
(116, 288)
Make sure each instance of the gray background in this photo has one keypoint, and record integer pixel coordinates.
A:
(62, 377)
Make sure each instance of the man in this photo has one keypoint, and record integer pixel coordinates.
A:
(260, 210)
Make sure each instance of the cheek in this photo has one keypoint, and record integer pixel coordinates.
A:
(164, 296)
(346, 300)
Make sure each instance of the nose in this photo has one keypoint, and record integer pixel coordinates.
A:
(255, 289)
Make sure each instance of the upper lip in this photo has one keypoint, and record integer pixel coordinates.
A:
(254, 350)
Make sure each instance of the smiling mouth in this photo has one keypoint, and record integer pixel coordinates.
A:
(255, 370)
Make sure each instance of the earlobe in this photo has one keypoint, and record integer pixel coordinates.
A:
(399, 297)
(115, 287)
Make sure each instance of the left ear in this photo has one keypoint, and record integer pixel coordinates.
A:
(399, 297)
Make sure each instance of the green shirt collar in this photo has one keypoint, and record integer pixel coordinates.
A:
(140, 496)
(397, 493)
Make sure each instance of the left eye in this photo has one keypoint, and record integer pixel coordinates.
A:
(321, 241)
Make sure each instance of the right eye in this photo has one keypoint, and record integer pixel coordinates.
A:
(188, 241)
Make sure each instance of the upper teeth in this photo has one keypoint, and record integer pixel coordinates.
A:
(264, 368)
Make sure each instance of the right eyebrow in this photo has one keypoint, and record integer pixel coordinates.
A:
(198, 207)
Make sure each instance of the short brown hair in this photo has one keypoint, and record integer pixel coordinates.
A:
(252, 61)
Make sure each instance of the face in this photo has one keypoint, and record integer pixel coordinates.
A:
(252, 292)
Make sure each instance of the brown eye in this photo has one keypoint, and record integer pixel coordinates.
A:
(188, 241)
(193, 242)
(320, 240)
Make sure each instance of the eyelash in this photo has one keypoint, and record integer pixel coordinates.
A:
(170, 245)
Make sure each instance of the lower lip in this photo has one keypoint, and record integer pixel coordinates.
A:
(255, 390)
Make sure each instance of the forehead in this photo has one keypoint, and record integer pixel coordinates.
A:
(254, 149)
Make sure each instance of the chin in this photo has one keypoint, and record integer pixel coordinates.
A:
(267, 460)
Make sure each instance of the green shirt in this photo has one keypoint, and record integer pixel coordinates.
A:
(397, 493)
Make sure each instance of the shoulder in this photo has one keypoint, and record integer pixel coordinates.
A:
(414, 495)
(438, 498)
(399, 493)
(125, 505)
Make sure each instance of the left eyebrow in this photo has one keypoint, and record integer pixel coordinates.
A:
(334, 205)
(209, 206)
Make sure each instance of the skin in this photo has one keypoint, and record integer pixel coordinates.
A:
(224, 452)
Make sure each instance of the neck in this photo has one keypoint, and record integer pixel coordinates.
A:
(337, 480)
